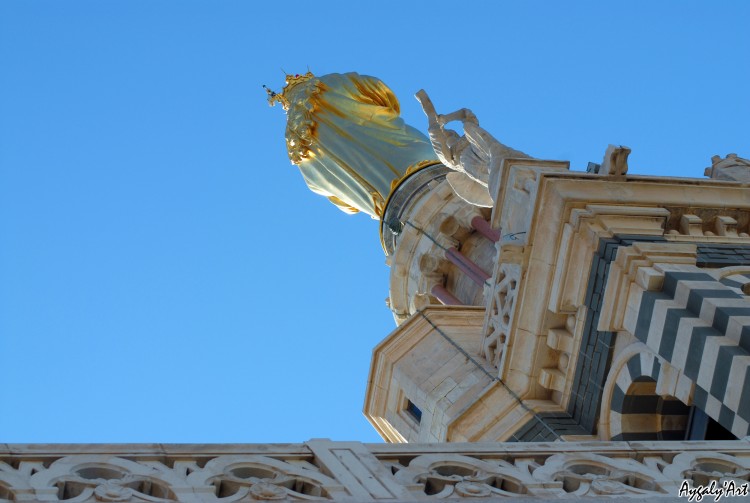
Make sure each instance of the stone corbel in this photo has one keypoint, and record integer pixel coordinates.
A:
(615, 161)
(431, 266)
(561, 341)
(691, 225)
(453, 228)
(725, 226)
(672, 382)
(433, 270)
(552, 379)
(607, 220)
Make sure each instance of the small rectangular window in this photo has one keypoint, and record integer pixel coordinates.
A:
(413, 411)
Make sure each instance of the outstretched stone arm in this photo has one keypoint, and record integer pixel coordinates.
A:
(464, 115)
(477, 155)
(439, 137)
(427, 106)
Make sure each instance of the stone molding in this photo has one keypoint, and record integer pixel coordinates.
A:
(352, 471)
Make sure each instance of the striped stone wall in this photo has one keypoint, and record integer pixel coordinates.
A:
(638, 411)
(596, 349)
(701, 326)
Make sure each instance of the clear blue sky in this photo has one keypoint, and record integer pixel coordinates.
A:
(166, 276)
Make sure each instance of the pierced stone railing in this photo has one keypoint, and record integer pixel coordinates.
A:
(500, 301)
(353, 471)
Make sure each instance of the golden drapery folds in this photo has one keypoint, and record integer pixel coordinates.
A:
(345, 134)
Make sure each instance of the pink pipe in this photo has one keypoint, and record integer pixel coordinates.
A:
(473, 271)
(482, 226)
(444, 296)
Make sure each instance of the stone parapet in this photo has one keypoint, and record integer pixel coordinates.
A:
(353, 471)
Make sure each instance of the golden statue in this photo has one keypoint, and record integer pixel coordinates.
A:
(345, 134)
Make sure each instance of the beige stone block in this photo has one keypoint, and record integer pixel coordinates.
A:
(725, 226)
(666, 384)
(561, 271)
(642, 388)
(456, 367)
(441, 390)
(615, 289)
(644, 225)
(465, 384)
(523, 351)
(691, 225)
(649, 279)
(467, 399)
(533, 296)
(578, 438)
(508, 424)
(640, 422)
(671, 422)
(474, 421)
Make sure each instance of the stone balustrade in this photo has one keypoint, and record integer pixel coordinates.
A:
(353, 471)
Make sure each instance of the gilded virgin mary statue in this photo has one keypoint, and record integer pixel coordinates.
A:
(344, 133)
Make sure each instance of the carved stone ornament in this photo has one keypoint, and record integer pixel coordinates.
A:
(475, 157)
(370, 472)
(499, 315)
(267, 491)
(261, 478)
(593, 475)
(112, 491)
(700, 468)
(462, 476)
(731, 168)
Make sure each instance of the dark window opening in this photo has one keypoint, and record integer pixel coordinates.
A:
(414, 411)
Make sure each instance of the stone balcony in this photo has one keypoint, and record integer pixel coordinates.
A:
(353, 471)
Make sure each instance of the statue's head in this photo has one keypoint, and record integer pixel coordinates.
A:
(283, 96)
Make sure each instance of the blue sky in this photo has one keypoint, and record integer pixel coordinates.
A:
(166, 276)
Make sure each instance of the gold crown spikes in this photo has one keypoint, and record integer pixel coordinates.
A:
(291, 81)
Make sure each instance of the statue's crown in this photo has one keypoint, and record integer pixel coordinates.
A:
(291, 81)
